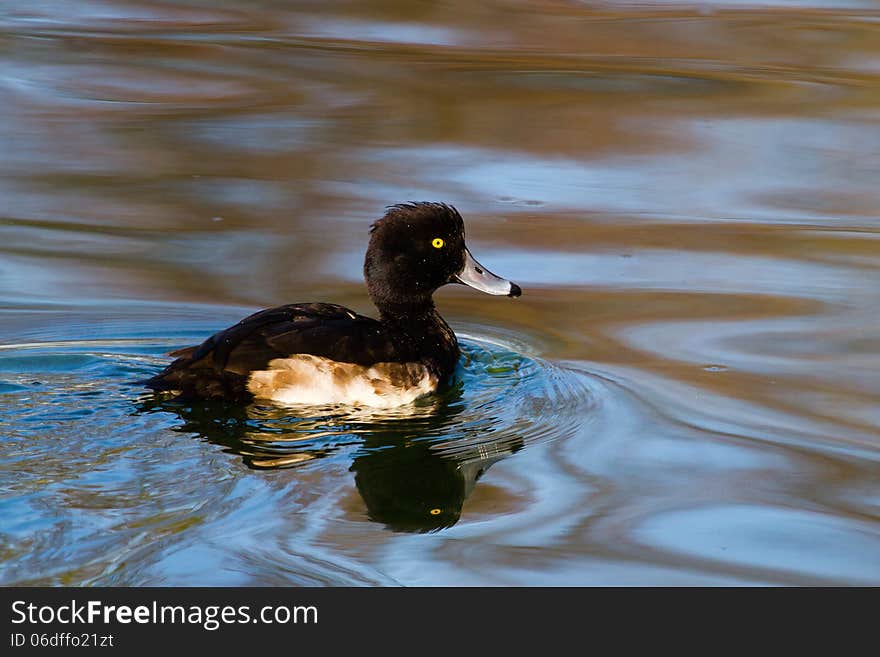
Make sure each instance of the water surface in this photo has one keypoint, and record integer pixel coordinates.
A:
(687, 393)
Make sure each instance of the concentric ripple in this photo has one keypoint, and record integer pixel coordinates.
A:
(84, 438)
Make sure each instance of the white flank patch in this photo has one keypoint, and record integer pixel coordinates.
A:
(306, 379)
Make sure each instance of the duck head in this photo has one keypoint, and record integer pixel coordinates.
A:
(417, 248)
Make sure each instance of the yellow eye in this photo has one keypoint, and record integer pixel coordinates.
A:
(435, 512)
(437, 244)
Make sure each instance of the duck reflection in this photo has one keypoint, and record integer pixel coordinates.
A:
(411, 487)
(413, 468)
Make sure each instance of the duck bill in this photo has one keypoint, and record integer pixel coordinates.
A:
(474, 275)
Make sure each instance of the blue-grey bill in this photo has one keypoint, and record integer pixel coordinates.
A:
(474, 275)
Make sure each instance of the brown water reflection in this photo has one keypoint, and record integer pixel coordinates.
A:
(687, 194)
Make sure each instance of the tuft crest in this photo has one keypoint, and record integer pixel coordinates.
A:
(417, 210)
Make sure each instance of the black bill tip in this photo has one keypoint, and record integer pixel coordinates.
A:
(515, 290)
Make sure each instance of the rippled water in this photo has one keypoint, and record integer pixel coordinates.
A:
(688, 391)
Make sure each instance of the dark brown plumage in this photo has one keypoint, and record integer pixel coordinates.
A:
(403, 267)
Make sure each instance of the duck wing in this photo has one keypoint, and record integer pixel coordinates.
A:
(220, 366)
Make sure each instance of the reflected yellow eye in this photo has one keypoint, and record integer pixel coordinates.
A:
(435, 512)
(437, 244)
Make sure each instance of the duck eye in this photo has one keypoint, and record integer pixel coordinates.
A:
(437, 243)
(435, 512)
